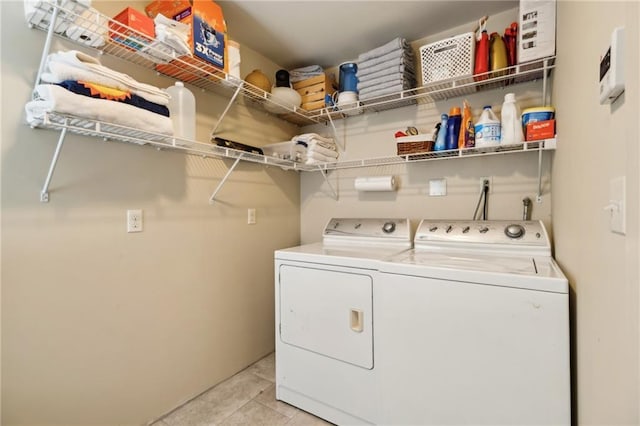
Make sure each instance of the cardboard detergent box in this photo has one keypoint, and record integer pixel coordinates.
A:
(144, 29)
(537, 32)
(208, 38)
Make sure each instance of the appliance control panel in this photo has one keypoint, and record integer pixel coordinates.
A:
(376, 229)
(511, 233)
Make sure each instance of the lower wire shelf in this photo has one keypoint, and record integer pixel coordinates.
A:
(115, 132)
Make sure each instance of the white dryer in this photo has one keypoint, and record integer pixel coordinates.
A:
(472, 327)
(324, 318)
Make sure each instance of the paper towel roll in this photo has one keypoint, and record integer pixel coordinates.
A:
(375, 183)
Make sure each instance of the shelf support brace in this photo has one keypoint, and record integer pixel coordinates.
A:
(224, 179)
(539, 194)
(224, 113)
(326, 179)
(44, 194)
(47, 43)
(335, 131)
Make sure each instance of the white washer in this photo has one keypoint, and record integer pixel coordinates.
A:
(472, 327)
(324, 318)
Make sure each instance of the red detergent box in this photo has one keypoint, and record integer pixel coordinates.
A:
(539, 130)
(138, 32)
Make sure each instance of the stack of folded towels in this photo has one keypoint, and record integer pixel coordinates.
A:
(311, 148)
(386, 70)
(304, 73)
(77, 84)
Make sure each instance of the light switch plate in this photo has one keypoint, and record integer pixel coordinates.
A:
(617, 200)
(437, 187)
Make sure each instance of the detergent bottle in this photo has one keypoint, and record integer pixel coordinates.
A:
(467, 129)
(511, 126)
(511, 42)
(441, 140)
(482, 57)
(498, 54)
(453, 128)
(487, 129)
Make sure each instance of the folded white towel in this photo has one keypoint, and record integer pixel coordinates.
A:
(90, 28)
(74, 65)
(319, 158)
(393, 45)
(308, 137)
(319, 149)
(172, 40)
(54, 98)
(38, 13)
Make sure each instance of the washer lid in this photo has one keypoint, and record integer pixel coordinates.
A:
(534, 273)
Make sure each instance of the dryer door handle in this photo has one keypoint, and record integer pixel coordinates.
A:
(357, 320)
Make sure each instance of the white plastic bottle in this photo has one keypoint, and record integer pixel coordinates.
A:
(487, 129)
(182, 109)
(511, 132)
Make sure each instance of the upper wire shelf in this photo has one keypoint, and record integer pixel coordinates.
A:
(94, 25)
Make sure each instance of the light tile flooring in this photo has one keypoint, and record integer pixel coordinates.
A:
(248, 398)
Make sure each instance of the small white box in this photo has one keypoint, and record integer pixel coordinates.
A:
(537, 32)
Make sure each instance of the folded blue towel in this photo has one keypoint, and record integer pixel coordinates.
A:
(393, 45)
(365, 84)
(408, 55)
(304, 73)
(134, 100)
(394, 69)
(390, 64)
(377, 92)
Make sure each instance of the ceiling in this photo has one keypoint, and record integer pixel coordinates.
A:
(326, 33)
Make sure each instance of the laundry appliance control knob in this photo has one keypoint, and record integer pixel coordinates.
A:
(514, 231)
(389, 227)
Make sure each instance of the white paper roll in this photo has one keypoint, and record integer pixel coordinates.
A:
(375, 183)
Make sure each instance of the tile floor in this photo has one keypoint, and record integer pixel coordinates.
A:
(248, 398)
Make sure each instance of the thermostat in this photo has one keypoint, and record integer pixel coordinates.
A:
(612, 69)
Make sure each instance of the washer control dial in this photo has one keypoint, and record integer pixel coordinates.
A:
(514, 231)
(389, 227)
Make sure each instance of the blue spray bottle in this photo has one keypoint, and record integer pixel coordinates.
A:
(442, 134)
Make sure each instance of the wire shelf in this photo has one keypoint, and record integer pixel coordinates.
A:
(113, 132)
(156, 55)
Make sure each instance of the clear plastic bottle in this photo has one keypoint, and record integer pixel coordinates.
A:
(182, 109)
(487, 129)
(511, 132)
(441, 140)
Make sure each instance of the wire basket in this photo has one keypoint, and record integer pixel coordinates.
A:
(449, 59)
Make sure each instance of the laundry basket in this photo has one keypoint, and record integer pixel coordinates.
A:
(447, 59)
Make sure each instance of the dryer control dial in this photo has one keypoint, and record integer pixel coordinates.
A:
(389, 227)
(514, 231)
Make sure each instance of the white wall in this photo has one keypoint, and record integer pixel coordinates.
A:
(104, 327)
(599, 143)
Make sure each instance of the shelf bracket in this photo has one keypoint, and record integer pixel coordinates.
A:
(324, 174)
(224, 113)
(539, 194)
(44, 194)
(335, 131)
(212, 199)
(47, 43)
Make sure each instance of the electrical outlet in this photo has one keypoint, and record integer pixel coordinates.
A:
(251, 216)
(134, 220)
(489, 182)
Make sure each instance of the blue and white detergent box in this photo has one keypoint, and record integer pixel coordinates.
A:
(208, 37)
(208, 42)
